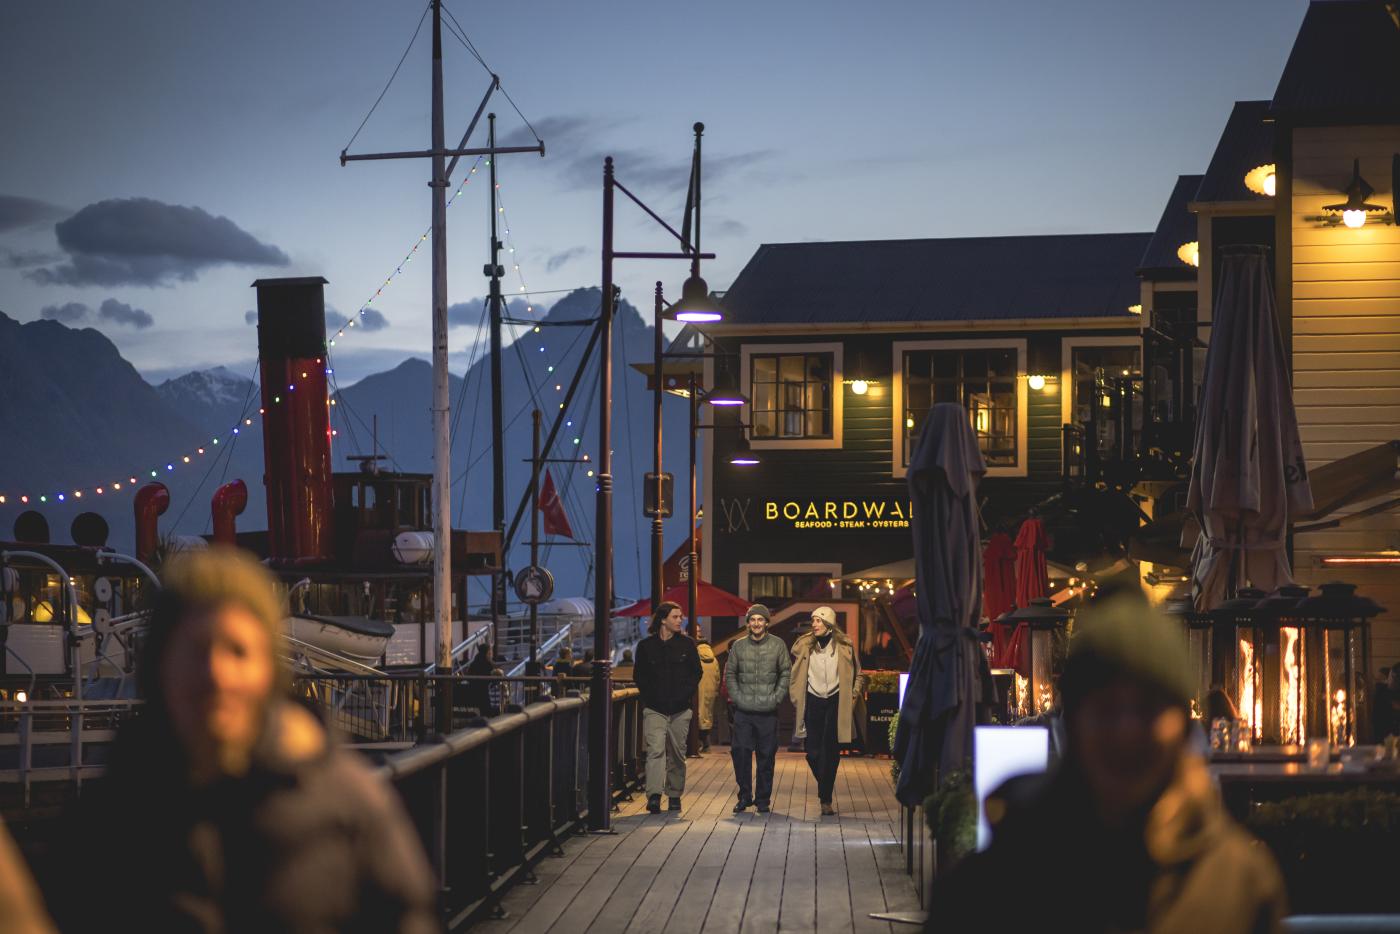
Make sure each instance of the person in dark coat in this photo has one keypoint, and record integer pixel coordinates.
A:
(583, 668)
(478, 693)
(1128, 834)
(667, 673)
(230, 808)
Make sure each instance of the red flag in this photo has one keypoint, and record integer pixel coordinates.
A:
(555, 521)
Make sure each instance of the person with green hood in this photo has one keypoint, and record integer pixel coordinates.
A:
(757, 676)
(1128, 833)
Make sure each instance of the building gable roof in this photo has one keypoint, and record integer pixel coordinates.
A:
(956, 279)
(1345, 65)
(1177, 226)
(1246, 143)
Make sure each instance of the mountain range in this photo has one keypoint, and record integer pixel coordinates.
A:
(75, 414)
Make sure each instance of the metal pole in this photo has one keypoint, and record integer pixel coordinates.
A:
(600, 692)
(694, 572)
(658, 558)
(695, 261)
(442, 476)
(498, 447)
(535, 535)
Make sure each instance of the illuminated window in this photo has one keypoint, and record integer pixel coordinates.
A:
(792, 395)
(982, 380)
(1107, 378)
(774, 590)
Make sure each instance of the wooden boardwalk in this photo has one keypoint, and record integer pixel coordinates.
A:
(708, 869)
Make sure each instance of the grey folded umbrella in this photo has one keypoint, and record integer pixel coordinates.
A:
(948, 676)
(1248, 476)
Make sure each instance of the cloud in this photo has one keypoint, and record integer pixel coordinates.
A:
(472, 313)
(559, 259)
(20, 259)
(17, 212)
(251, 317)
(70, 313)
(725, 227)
(141, 241)
(122, 313)
(582, 167)
(372, 319)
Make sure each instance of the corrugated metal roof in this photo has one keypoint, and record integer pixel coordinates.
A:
(1345, 64)
(1177, 226)
(962, 279)
(1247, 142)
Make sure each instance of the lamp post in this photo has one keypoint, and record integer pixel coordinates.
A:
(695, 294)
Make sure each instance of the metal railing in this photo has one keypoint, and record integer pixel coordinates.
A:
(58, 740)
(491, 800)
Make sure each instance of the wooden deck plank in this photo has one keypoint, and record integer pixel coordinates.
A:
(708, 869)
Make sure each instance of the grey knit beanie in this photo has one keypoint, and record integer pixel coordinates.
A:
(758, 609)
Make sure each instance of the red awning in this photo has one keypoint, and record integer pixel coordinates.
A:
(712, 601)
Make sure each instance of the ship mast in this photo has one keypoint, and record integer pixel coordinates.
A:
(441, 407)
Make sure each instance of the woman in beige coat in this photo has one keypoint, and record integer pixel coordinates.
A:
(826, 685)
(708, 691)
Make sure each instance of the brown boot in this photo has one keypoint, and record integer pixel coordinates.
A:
(828, 810)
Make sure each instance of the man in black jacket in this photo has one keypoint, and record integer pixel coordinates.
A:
(667, 673)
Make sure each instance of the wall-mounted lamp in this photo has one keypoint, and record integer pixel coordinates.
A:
(860, 387)
(743, 455)
(1189, 253)
(1355, 208)
(1261, 180)
(1035, 381)
(1134, 309)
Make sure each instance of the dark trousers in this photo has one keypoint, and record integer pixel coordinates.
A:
(823, 751)
(754, 733)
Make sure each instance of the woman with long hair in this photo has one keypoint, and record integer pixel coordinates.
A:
(826, 682)
(667, 672)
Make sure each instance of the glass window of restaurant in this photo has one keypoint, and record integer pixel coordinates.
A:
(775, 589)
(791, 395)
(981, 379)
(1101, 380)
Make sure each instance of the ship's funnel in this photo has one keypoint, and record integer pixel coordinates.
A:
(149, 503)
(296, 420)
(31, 528)
(227, 505)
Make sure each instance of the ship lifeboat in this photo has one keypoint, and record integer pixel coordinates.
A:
(356, 637)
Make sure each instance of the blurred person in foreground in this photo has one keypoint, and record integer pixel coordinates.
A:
(1128, 834)
(226, 807)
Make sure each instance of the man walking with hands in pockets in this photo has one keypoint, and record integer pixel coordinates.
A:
(757, 676)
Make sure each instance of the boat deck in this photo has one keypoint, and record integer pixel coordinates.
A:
(707, 869)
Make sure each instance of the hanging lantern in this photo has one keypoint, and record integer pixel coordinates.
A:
(1355, 208)
(1339, 662)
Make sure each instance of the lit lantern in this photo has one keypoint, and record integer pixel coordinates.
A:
(1232, 667)
(1355, 208)
(1274, 657)
(1262, 180)
(1044, 623)
(1036, 381)
(1189, 253)
(1339, 662)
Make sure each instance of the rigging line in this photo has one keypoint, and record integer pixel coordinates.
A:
(466, 377)
(473, 360)
(461, 34)
(402, 59)
(349, 428)
(356, 415)
(227, 449)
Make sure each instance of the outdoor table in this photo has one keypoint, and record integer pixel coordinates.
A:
(1244, 782)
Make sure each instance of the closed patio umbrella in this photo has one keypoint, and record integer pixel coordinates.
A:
(1031, 572)
(1247, 472)
(999, 588)
(948, 675)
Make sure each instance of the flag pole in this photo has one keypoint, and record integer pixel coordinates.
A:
(535, 536)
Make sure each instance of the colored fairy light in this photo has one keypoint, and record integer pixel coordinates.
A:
(99, 491)
(153, 473)
(216, 441)
(24, 499)
(43, 499)
(78, 494)
(60, 497)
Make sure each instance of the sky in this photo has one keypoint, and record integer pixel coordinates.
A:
(157, 157)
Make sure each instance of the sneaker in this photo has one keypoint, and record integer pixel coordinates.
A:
(675, 804)
(743, 804)
(763, 809)
(654, 804)
(828, 810)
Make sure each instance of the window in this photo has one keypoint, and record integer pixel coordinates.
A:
(983, 380)
(774, 589)
(791, 396)
(1104, 389)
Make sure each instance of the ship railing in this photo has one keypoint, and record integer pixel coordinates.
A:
(547, 649)
(461, 652)
(58, 740)
(492, 799)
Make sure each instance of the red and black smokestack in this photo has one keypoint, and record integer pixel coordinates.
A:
(226, 506)
(296, 420)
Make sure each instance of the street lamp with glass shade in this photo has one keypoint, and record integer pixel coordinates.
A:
(743, 455)
(696, 306)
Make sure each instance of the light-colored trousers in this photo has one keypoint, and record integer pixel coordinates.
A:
(665, 738)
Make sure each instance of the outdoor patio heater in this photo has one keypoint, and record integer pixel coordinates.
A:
(1045, 626)
(1199, 632)
(1295, 665)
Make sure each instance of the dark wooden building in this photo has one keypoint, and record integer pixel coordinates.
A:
(841, 348)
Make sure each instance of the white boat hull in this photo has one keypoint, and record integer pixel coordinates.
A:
(329, 637)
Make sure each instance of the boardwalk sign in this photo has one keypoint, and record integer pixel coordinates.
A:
(834, 514)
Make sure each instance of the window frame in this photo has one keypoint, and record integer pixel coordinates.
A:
(836, 349)
(832, 570)
(898, 350)
(1068, 345)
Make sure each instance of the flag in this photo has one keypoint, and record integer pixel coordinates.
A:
(552, 510)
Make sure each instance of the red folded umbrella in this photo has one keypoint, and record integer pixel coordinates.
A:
(998, 577)
(1031, 575)
(710, 601)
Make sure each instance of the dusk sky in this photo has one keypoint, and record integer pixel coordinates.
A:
(825, 121)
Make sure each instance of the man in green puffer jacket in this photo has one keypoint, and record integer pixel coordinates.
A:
(757, 676)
